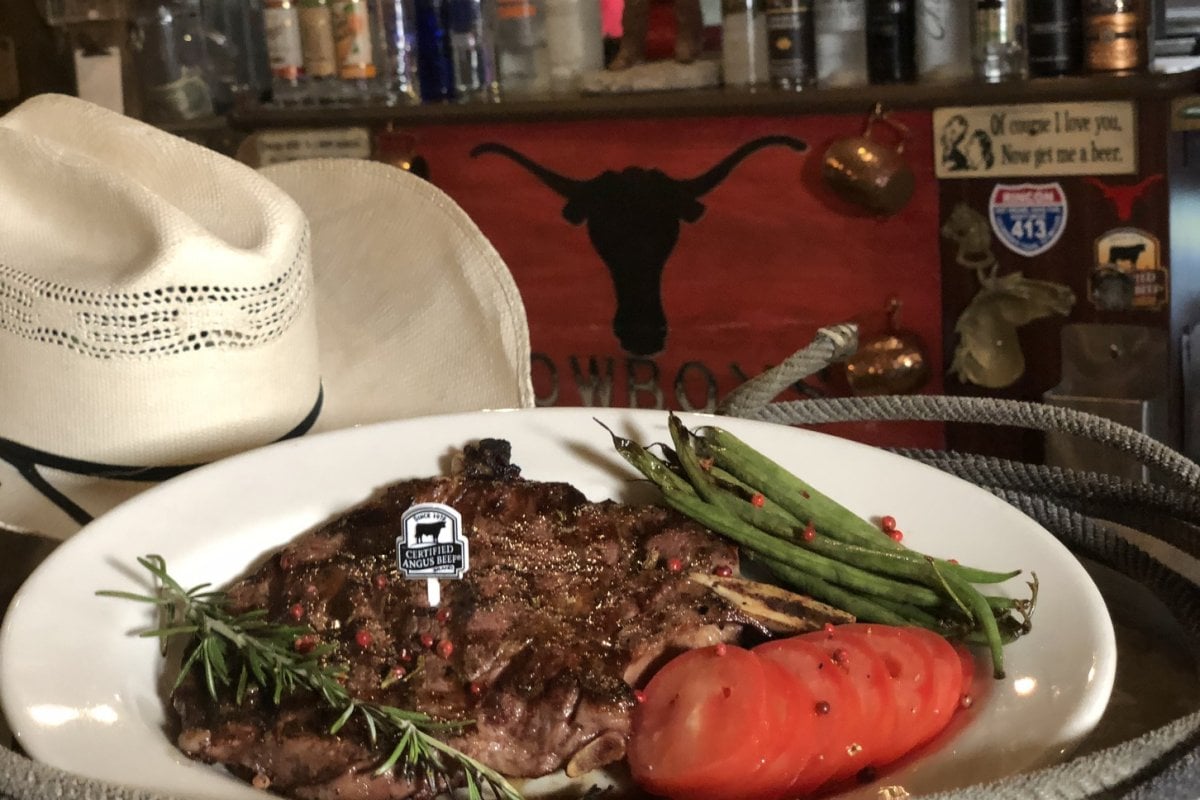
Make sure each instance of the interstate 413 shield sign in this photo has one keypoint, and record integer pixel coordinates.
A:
(1029, 218)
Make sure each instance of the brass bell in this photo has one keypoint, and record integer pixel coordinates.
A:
(894, 362)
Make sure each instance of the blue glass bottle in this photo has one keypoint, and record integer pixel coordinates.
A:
(435, 67)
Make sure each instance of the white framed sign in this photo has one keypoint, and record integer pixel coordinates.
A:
(294, 144)
(1035, 140)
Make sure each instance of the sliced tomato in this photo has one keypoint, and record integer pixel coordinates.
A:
(796, 715)
(786, 757)
(909, 664)
(869, 674)
(703, 724)
(950, 679)
(839, 716)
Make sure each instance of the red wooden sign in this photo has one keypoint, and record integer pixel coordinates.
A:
(750, 251)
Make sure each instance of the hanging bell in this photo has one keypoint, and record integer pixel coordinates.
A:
(894, 362)
(870, 173)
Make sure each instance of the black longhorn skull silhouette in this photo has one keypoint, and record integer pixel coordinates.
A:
(633, 219)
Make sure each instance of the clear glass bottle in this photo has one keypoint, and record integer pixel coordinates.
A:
(396, 25)
(237, 50)
(744, 50)
(792, 47)
(944, 41)
(170, 54)
(472, 50)
(841, 42)
(574, 41)
(281, 24)
(998, 40)
(891, 41)
(522, 57)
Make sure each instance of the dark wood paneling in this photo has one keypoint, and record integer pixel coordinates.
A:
(1068, 262)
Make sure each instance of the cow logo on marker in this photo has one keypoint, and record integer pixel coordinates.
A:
(431, 543)
(1029, 218)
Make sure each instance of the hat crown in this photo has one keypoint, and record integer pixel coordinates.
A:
(131, 263)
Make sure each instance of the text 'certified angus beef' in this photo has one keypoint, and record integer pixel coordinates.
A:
(633, 218)
(567, 607)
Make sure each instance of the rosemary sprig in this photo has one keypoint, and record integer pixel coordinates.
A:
(231, 650)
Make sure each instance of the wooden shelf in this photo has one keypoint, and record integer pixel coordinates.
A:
(728, 102)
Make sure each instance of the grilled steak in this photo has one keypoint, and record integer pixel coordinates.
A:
(568, 605)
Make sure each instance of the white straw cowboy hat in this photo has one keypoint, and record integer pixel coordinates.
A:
(162, 306)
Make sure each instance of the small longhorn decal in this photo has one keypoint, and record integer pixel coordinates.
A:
(1123, 197)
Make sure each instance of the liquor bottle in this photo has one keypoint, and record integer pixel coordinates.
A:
(396, 23)
(744, 49)
(472, 51)
(171, 57)
(317, 49)
(1055, 37)
(435, 69)
(1114, 35)
(792, 46)
(237, 49)
(944, 40)
(998, 40)
(891, 41)
(841, 42)
(574, 41)
(522, 57)
(281, 24)
(353, 48)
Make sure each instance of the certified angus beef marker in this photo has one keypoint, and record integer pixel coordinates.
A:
(432, 546)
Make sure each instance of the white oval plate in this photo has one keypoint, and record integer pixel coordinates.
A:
(84, 695)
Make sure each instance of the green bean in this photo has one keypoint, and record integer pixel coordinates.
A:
(824, 513)
(983, 613)
(829, 575)
(682, 497)
(805, 502)
(864, 609)
(790, 492)
(1009, 631)
(901, 564)
(915, 616)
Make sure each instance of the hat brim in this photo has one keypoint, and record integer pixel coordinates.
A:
(416, 312)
